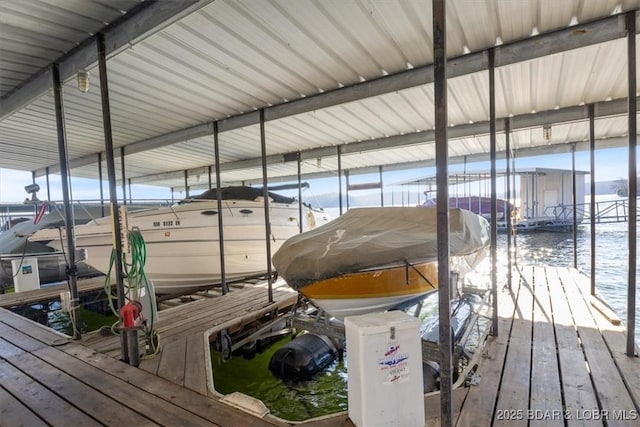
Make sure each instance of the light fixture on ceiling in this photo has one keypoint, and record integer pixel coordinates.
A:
(546, 132)
(83, 81)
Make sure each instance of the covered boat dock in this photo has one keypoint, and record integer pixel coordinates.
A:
(264, 92)
(558, 361)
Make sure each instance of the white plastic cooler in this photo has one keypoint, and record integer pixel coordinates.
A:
(384, 370)
(26, 276)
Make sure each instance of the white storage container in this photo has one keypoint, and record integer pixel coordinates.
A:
(384, 370)
(26, 276)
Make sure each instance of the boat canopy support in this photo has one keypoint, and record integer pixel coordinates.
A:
(113, 197)
(72, 273)
(633, 182)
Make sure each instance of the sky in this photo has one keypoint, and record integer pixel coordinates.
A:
(610, 165)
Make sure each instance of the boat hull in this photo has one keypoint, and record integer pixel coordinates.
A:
(182, 242)
(373, 290)
(375, 259)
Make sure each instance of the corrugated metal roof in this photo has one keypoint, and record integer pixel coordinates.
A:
(34, 33)
(233, 57)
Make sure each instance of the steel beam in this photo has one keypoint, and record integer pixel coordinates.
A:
(100, 183)
(48, 186)
(442, 208)
(72, 272)
(346, 181)
(339, 154)
(113, 193)
(216, 153)
(299, 176)
(186, 184)
(123, 179)
(507, 212)
(143, 21)
(592, 203)
(574, 206)
(606, 29)
(616, 107)
(494, 200)
(632, 182)
(381, 187)
(265, 196)
(419, 164)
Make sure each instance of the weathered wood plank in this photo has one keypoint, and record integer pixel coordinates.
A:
(43, 404)
(612, 393)
(142, 402)
(204, 406)
(33, 329)
(19, 339)
(83, 397)
(172, 361)
(546, 398)
(209, 315)
(615, 337)
(579, 394)
(48, 292)
(480, 402)
(195, 376)
(432, 406)
(151, 363)
(513, 399)
(12, 411)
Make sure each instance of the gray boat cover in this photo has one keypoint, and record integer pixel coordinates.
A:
(367, 238)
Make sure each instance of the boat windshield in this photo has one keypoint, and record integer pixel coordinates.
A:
(238, 193)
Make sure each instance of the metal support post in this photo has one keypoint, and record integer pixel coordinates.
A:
(494, 201)
(507, 209)
(442, 179)
(123, 173)
(592, 203)
(346, 179)
(574, 206)
(100, 182)
(381, 187)
(48, 186)
(113, 194)
(299, 164)
(265, 193)
(216, 153)
(633, 182)
(72, 272)
(339, 151)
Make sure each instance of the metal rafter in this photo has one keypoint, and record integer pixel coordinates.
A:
(569, 114)
(147, 19)
(600, 31)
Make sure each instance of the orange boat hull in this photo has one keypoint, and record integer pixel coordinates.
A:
(372, 290)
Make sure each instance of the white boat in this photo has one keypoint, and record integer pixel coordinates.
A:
(376, 259)
(15, 244)
(182, 241)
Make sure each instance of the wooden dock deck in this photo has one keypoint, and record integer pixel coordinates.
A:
(185, 332)
(556, 361)
(47, 379)
(49, 292)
